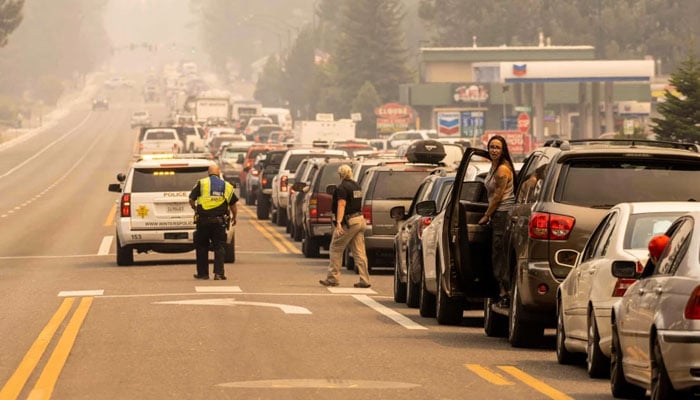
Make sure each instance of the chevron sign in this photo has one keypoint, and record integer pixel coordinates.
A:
(448, 124)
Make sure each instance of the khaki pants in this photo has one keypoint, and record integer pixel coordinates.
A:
(354, 235)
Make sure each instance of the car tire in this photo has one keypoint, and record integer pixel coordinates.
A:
(448, 310)
(399, 287)
(281, 218)
(230, 256)
(521, 333)
(125, 254)
(412, 288)
(426, 303)
(619, 386)
(495, 325)
(661, 386)
(310, 247)
(297, 233)
(263, 208)
(244, 191)
(564, 356)
(250, 199)
(349, 261)
(597, 363)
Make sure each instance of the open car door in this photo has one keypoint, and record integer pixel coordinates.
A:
(468, 271)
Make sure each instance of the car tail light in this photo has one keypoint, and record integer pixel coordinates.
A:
(255, 172)
(283, 183)
(126, 205)
(424, 222)
(367, 213)
(264, 181)
(550, 226)
(176, 148)
(692, 307)
(621, 286)
(313, 207)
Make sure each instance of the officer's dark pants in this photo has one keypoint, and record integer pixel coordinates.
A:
(210, 232)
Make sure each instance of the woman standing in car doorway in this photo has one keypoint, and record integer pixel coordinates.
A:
(499, 187)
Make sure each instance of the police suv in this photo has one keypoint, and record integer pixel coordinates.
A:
(154, 212)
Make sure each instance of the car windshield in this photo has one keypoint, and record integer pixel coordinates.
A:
(166, 180)
(160, 135)
(397, 185)
(642, 227)
(233, 154)
(633, 180)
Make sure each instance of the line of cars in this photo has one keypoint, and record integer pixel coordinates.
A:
(576, 244)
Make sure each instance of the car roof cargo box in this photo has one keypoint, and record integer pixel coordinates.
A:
(426, 151)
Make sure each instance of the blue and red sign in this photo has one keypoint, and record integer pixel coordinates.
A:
(519, 69)
(448, 124)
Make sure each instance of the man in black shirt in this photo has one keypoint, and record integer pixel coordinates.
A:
(349, 229)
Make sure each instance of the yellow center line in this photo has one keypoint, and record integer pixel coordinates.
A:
(535, 383)
(49, 376)
(269, 237)
(18, 379)
(284, 240)
(485, 373)
(110, 217)
(272, 231)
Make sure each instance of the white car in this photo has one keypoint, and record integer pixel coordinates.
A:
(396, 139)
(140, 118)
(656, 324)
(585, 298)
(154, 211)
(160, 141)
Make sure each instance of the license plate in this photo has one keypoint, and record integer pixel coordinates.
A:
(176, 235)
(176, 209)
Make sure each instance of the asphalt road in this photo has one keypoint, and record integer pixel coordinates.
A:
(77, 326)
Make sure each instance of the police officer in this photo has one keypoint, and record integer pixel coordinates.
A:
(349, 228)
(212, 198)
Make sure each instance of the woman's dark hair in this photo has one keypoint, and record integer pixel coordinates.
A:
(505, 155)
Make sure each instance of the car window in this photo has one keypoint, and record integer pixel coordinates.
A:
(642, 227)
(607, 235)
(445, 190)
(160, 135)
(329, 176)
(166, 180)
(675, 249)
(634, 180)
(590, 249)
(432, 135)
(396, 185)
(421, 194)
(233, 154)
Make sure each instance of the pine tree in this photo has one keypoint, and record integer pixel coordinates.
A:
(270, 83)
(371, 48)
(366, 101)
(681, 114)
(10, 18)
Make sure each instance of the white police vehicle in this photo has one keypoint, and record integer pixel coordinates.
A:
(154, 212)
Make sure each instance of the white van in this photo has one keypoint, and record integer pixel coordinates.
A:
(279, 116)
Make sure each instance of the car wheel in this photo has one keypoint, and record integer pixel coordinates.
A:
(125, 254)
(495, 325)
(250, 199)
(310, 247)
(619, 386)
(399, 287)
(244, 191)
(521, 333)
(281, 216)
(597, 363)
(349, 261)
(564, 356)
(661, 386)
(230, 256)
(412, 287)
(288, 227)
(263, 208)
(448, 311)
(426, 303)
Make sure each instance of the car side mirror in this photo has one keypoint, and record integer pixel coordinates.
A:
(115, 187)
(121, 177)
(241, 159)
(246, 169)
(330, 189)
(566, 257)
(398, 213)
(625, 269)
(426, 208)
(298, 186)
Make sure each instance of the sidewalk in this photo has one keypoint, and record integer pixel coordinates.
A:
(10, 136)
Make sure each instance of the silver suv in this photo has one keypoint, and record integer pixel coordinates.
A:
(154, 211)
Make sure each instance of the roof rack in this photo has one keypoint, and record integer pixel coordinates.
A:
(566, 144)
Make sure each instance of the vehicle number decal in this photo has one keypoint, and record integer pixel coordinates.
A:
(135, 236)
(176, 209)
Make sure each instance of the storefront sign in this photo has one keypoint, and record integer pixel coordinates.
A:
(470, 93)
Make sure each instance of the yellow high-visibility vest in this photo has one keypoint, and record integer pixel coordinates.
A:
(210, 196)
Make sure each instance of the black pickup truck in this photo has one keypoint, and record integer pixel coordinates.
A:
(268, 169)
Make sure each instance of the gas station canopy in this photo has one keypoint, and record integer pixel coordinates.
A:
(577, 71)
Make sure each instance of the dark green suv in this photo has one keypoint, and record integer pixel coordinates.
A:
(562, 192)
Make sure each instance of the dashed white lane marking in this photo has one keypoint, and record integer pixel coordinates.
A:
(342, 290)
(217, 289)
(105, 246)
(80, 293)
(388, 312)
(286, 308)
